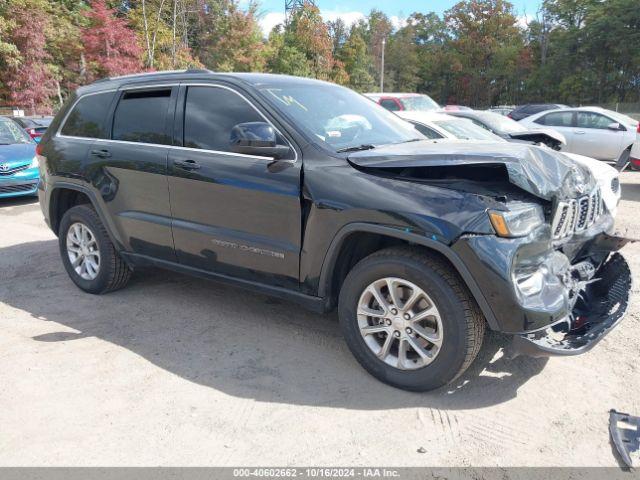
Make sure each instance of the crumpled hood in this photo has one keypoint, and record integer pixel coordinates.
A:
(539, 171)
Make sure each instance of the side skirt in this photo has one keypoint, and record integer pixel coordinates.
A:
(310, 302)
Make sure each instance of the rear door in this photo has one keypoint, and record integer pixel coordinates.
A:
(130, 169)
(233, 214)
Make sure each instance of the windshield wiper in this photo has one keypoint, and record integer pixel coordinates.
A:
(357, 148)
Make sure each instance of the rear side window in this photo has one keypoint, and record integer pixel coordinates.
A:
(556, 119)
(87, 118)
(141, 117)
(426, 131)
(210, 115)
(390, 104)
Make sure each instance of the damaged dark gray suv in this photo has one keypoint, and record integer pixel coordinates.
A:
(308, 191)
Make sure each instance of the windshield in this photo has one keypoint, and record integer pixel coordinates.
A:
(500, 123)
(421, 103)
(11, 133)
(337, 116)
(466, 130)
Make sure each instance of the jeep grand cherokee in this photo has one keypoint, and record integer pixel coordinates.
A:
(308, 191)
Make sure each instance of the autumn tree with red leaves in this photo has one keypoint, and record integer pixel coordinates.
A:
(27, 79)
(110, 46)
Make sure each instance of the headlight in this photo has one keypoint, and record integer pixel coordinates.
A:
(518, 221)
(34, 163)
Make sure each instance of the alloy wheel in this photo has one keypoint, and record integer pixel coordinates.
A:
(83, 252)
(400, 323)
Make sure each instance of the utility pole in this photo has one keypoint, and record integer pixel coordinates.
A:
(292, 6)
(384, 41)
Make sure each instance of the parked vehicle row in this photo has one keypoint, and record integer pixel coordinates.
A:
(308, 191)
(590, 131)
(34, 126)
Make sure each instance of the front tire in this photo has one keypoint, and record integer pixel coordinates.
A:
(409, 319)
(88, 255)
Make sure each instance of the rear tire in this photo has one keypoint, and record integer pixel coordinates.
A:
(88, 255)
(623, 161)
(456, 324)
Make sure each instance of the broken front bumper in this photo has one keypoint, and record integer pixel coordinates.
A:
(601, 306)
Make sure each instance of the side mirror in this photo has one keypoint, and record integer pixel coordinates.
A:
(616, 127)
(257, 138)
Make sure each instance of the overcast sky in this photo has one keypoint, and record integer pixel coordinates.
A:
(350, 10)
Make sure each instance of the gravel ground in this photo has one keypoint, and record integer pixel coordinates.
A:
(175, 370)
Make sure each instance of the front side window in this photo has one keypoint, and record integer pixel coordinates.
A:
(141, 117)
(87, 118)
(210, 115)
(337, 117)
(390, 104)
(11, 133)
(592, 120)
(557, 119)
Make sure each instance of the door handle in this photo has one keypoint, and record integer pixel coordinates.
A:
(187, 164)
(101, 153)
(579, 132)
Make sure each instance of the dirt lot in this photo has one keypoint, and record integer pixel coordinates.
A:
(179, 371)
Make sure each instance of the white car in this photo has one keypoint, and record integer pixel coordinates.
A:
(593, 131)
(435, 125)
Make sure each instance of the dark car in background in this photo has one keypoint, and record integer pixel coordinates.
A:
(511, 130)
(310, 192)
(523, 111)
(34, 126)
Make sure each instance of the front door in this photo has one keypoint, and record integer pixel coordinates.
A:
(233, 214)
(593, 138)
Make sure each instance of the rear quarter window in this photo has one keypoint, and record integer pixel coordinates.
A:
(88, 116)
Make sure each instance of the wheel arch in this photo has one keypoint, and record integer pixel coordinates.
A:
(340, 258)
(65, 195)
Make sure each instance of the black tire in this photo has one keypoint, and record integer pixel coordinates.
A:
(113, 272)
(463, 323)
(623, 160)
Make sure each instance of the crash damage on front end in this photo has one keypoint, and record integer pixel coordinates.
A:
(550, 271)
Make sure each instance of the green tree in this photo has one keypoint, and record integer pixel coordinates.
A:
(357, 62)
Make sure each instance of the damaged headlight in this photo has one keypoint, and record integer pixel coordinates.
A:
(518, 221)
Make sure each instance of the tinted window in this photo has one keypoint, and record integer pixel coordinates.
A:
(210, 115)
(556, 119)
(592, 120)
(426, 131)
(87, 118)
(390, 104)
(141, 117)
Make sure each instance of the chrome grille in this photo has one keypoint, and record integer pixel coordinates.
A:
(576, 215)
